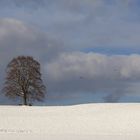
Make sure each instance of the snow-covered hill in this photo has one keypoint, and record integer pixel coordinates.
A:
(78, 122)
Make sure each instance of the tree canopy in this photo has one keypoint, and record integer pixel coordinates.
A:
(23, 79)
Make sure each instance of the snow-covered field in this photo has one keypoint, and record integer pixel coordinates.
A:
(78, 122)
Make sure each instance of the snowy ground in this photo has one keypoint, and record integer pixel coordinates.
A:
(79, 122)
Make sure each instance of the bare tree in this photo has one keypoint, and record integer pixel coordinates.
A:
(24, 79)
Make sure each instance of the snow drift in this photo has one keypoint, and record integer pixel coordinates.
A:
(78, 122)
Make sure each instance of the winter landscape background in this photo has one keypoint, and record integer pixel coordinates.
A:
(89, 51)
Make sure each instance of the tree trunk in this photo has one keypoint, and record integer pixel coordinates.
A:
(25, 99)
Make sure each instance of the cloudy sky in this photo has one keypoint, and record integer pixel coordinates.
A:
(89, 50)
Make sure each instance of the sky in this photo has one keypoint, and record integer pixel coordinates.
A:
(89, 50)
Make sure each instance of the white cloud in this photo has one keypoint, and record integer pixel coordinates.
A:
(93, 65)
(77, 72)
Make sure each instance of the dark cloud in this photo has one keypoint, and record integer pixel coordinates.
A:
(81, 23)
(19, 38)
(23, 3)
